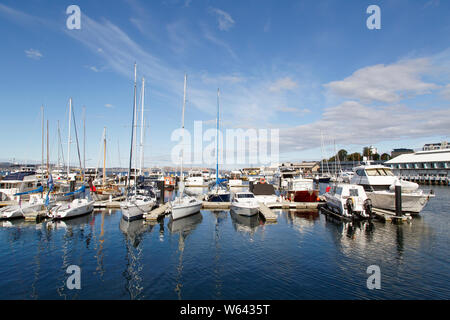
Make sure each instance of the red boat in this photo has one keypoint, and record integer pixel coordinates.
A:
(303, 190)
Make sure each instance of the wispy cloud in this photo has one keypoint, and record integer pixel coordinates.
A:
(224, 19)
(385, 83)
(283, 84)
(33, 54)
(108, 105)
(213, 39)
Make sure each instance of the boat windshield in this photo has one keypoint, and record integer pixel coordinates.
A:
(379, 172)
(353, 192)
(245, 195)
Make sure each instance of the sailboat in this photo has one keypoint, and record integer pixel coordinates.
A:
(184, 205)
(219, 192)
(138, 200)
(83, 204)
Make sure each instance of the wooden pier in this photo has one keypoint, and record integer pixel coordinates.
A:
(267, 213)
(386, 215)
(35, 216)
(155, 214)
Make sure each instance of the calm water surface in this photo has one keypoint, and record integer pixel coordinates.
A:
(217, 255)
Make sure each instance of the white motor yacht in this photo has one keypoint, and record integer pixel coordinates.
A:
(349, 200)
(379, 183)
(245, 204)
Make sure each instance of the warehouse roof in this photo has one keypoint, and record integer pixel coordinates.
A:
(422, 156)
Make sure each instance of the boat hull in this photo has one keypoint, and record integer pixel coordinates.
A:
(413, 203)
(131, 211)
(217, 197)
(304, 196)
(246, 211)
(72, 212)
(182, 211)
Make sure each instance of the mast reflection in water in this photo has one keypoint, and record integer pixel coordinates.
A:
(220, 255)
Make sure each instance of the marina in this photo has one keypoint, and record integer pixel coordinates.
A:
(160, 260)
(225, 150)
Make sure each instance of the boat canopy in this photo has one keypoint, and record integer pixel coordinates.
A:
(38, 190)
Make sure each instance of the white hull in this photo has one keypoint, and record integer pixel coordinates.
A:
(413, 203)
(235, 183)
(184, 210)
(72, 210)
(267, 199)
(245, 210)
(132, 210)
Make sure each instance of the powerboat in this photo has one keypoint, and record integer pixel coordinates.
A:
(245, 204)
(302, 190)
(348, 200)
(379, 183)
(264, 193)
(235, 179)
(195, 179)
(17, 182)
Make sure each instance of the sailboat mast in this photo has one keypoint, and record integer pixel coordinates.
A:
(68, 141)
(182, 125)
(217, 138)
(48, 153)
(84, 141)
(104, 156)
(42, 147)
(142, 129)
(132, 130)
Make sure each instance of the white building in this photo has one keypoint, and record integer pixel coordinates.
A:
(430, 167)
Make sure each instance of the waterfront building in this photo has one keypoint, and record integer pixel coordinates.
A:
(400, 151)
(436, 146)
(426, 167)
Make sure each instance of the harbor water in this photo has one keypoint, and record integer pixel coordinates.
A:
(217, 255)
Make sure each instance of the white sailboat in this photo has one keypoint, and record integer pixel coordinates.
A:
(218, 193)
(138, 201)
(83, 204)
(184, 205)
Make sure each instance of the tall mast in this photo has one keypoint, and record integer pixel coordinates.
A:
(48, 153)
(42, 147)
(142, 129)
(217, 138)
(78, 144)
(84, 141)
(132, 129)
(182, 125)
(68, 141)
(104, 156)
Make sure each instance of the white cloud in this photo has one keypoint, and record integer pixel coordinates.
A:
(108, 105)
(445, 92)
(223, 18)
(33, 54)
(351, 123)
(283, 84)
(385, 83)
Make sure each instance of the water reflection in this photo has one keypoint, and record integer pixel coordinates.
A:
(219, 218)
(134, 232)
(184, 227)
(302, 221)
(245, 224)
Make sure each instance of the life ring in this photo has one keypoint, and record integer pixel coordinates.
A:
(262, 180)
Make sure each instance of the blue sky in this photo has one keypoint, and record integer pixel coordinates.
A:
(305, 67)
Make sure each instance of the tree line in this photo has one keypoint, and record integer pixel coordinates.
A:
(343, 155)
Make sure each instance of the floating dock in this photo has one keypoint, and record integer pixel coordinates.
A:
(155, 214)
(386, 215)
(35, 216)
(267, 213)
